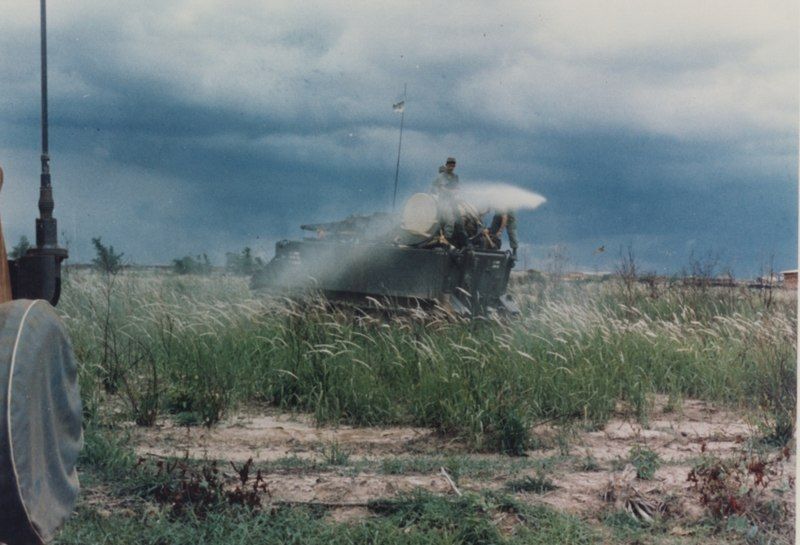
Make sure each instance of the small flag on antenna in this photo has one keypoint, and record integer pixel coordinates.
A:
(399, 107)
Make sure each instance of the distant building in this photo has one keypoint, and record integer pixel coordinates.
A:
(790, 279)
(575, 276)
(767, 282)
(726, 281)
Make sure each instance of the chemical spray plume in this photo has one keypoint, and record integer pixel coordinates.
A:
(499, 196)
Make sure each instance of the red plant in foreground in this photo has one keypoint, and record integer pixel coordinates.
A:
(735, 486)
(185, 488)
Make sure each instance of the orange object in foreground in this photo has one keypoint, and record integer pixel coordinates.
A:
(5, 278)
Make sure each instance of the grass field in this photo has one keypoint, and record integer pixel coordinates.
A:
(195, 350)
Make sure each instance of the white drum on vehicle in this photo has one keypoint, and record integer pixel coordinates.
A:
(420, 216)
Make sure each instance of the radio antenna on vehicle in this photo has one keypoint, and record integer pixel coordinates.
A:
(37, 274)
(401, 108)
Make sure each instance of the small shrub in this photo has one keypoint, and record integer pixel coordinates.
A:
(179, 398)
(674, 403)
(335, 455)
(106, 260)
(588, 463)
(211, 406)
(394, 466)
(538, 484)
(146, 410)
(645, 461)
(105, 452)
(139, 380)
(510, 431)
(188, 419)
(204, 393)
(618, 463)
(564, 438)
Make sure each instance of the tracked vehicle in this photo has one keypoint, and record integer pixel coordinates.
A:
(395, 261)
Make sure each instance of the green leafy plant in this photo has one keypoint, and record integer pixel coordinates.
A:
(588, 463)
(510, 430)
(335, 455)
(645, 461)
(537, 484)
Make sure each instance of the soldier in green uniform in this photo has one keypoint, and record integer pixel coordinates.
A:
(504, 219)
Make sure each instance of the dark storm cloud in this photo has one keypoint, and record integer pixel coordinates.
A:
(236, 124)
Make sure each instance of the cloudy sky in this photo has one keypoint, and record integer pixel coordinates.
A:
(180, 127)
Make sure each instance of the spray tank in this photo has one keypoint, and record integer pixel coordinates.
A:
(402, 259)
(40, 406)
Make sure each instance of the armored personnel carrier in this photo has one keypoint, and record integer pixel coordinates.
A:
(400, 260)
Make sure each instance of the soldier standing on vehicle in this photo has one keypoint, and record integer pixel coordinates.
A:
(447, 179)
(504, 219)
(445, 187)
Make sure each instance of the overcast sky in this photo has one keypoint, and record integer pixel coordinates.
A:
(180, 127)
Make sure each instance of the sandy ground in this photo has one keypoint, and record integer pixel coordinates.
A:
(271, 436)
(679, 438)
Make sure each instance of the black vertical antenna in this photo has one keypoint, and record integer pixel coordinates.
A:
(37, 274)
(46, 228)
(399, 145)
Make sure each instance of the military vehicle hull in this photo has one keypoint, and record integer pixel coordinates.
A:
(467, 282)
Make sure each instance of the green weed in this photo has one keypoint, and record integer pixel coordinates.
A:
(538, 484)
(588, 463)
(417, 519)
(645, 461)
(105, 453)
(335, 455)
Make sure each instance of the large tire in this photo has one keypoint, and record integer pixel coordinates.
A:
(40, 423)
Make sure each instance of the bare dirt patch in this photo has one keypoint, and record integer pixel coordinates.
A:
(679, 439)
(271, 436)
(348, 490)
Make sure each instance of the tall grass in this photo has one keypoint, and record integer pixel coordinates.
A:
(206, 344)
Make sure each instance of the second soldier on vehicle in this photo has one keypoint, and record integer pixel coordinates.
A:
(504, 219)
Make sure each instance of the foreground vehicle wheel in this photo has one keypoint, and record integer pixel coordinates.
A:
(40, 423)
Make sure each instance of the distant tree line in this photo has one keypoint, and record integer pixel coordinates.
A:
(199, 264)
(244, 263)
(109, 261)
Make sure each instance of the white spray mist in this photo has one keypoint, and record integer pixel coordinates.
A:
(499, 196)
